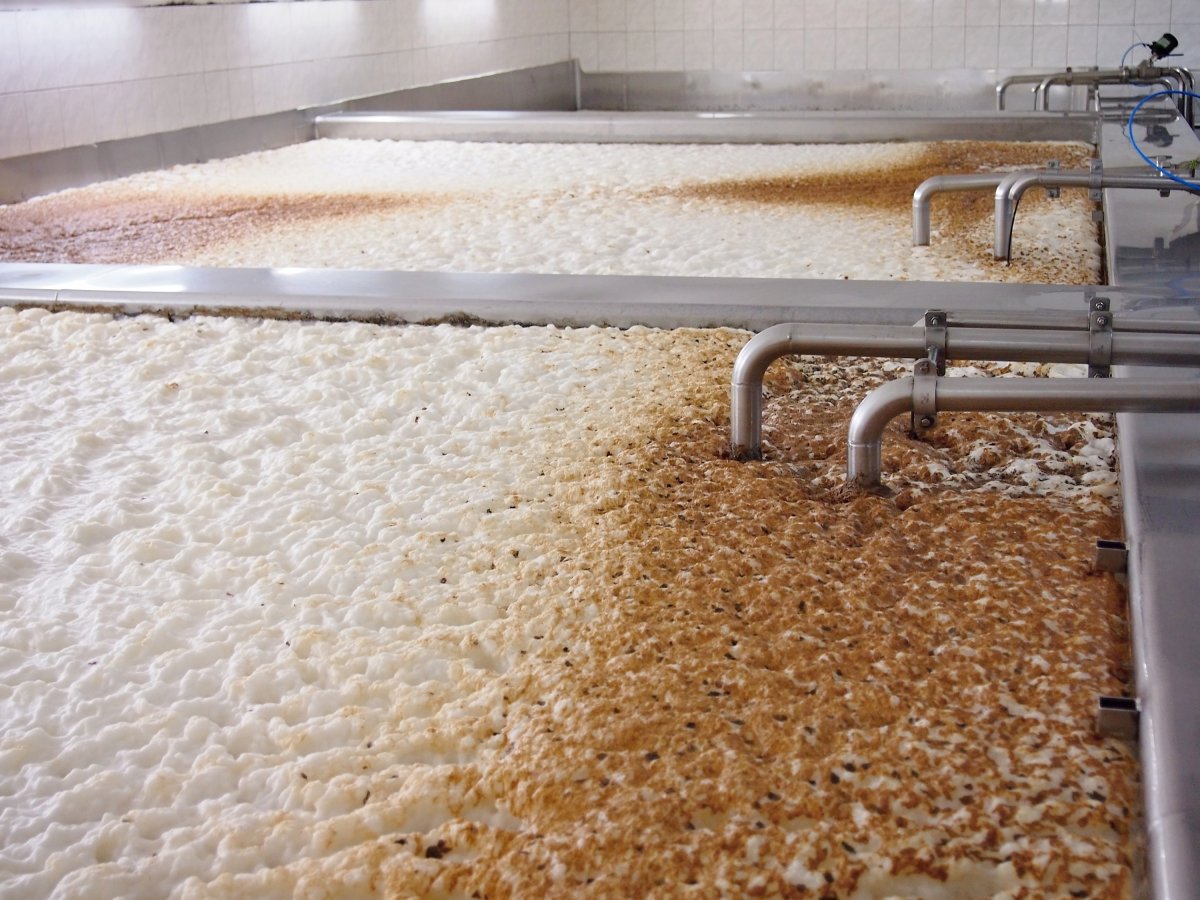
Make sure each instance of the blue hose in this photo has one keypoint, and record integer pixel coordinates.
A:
(1132, 47)
(1133, 142)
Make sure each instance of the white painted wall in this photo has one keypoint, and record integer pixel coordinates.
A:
(818, 35)
(89, 72)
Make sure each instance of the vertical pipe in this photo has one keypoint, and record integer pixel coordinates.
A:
(923, 197)
(770, 344)
(1011, 189)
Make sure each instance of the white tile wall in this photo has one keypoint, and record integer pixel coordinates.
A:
(817, 35)
(71, 76)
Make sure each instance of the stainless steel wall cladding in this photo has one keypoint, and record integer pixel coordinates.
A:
(706, 127)
(1153, 245)
(23, 177)
(945, 90)
(551, 87)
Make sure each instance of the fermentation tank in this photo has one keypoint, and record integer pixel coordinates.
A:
(448, 567)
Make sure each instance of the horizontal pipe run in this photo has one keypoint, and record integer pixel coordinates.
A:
(1003, 86)
(864, 452)
(906, 342)
(1041, 96)
(923, 196)
(1066, 321)
(1138, 75)
(1013, 187)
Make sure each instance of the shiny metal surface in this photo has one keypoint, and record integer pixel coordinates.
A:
(872, 415)
(1160, 474)
(554, 86)
(1022, 343)
(568, 300)
(540, 88)
(1153, 244)
(1177, 78)
(22, 177)
(706, 127)
(1004, 85)
(938, 184)
(1152, 241)
(941, 90)
(1142, 76)
(1013, 187)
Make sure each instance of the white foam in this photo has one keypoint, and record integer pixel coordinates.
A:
(254, 571)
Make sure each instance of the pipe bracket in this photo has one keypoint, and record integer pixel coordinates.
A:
(1095, 192)
(935, 338)
(1117, 717)
(924, 395)
(1053, 192)
(1099, 343)
(1111, 556)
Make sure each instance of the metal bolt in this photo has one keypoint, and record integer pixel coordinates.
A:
(926, 421)
(935, 320)
(1098, 304)
(1101, 321)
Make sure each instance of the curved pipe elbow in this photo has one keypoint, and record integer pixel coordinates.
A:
(1014, 186)
(922, 197)
(1041, 94)
(761, 350)
(1003, 215)
(746, 388)
(745, 391)
(864, 453)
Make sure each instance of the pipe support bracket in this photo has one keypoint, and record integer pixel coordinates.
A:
(936, 321)
(1100, 341)
(924, 396)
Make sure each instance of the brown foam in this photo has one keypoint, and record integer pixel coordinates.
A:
(782, 677)
(962, 219)
(890, 185)
(152, 227)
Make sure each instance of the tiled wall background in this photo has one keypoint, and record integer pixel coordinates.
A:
(95, 70)
(81, 73)
(810, 35)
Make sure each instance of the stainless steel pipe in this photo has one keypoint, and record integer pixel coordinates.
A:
(1096, 76)
(1041, 94)
(864, 452)
(1046, 318)
(745, 395)
(1144, 74)
(1013, 187)
(905, 342)
(938, 184)
(1003, 86)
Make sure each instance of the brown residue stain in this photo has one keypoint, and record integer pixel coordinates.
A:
(961, 220)
(786, 683)
(168, 227)
(889, 186)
